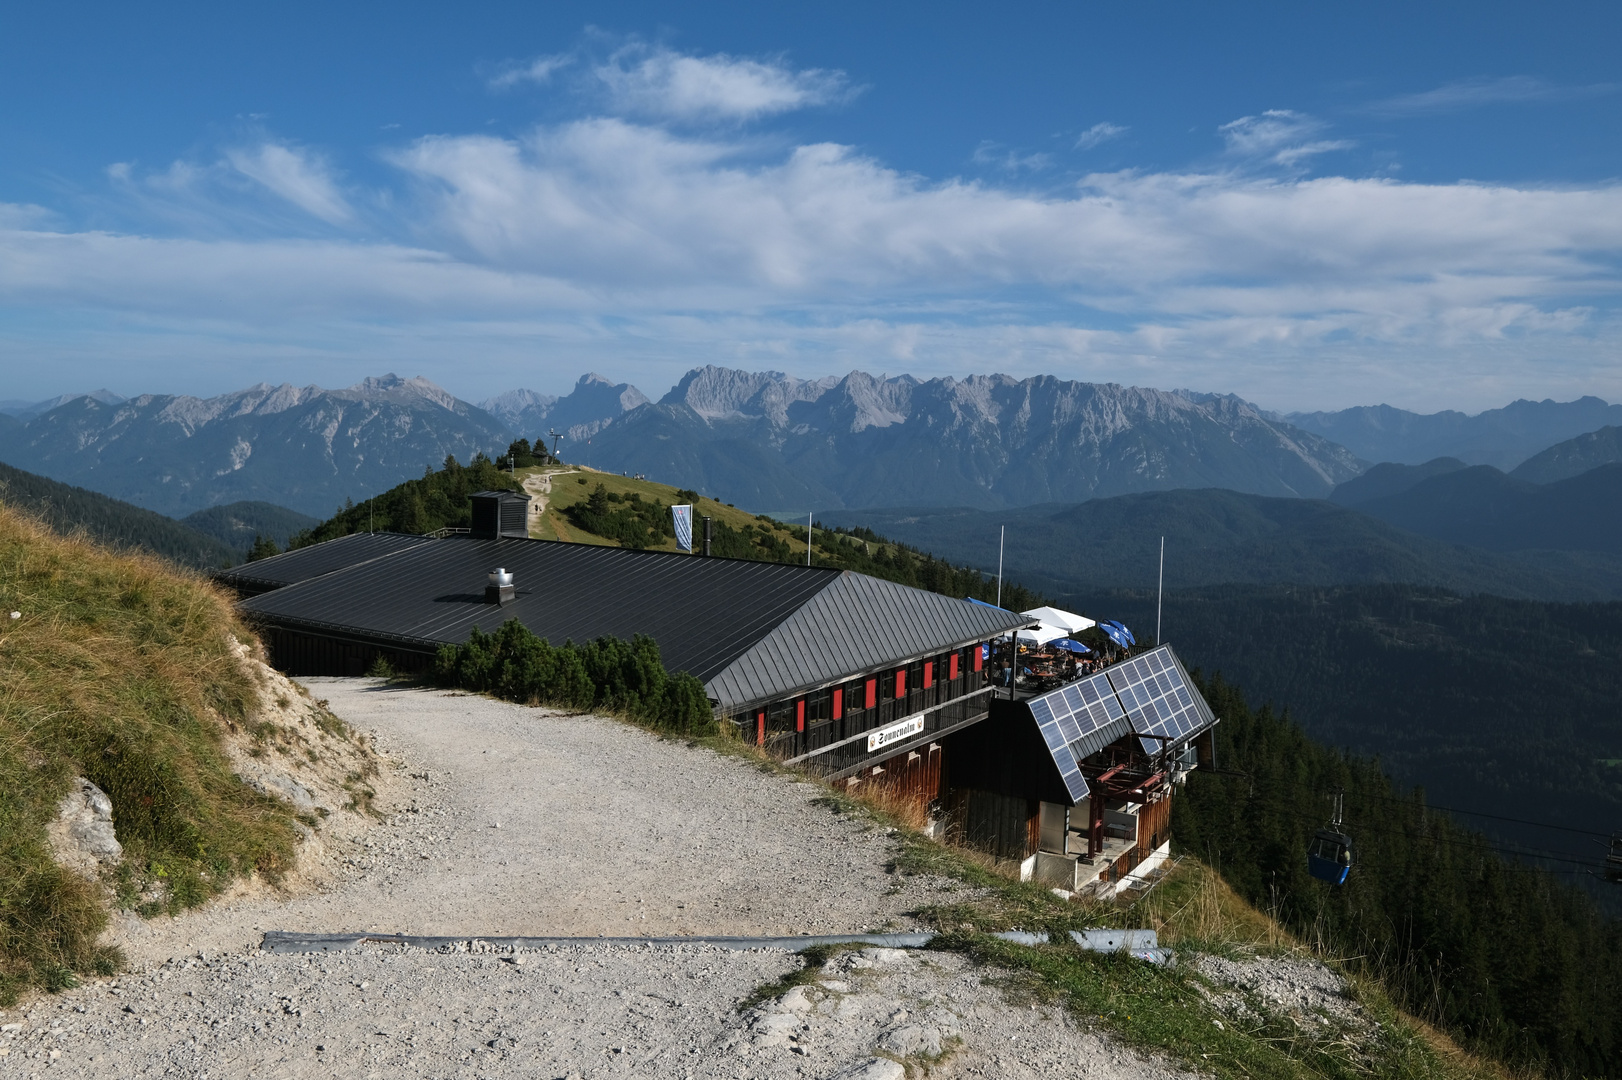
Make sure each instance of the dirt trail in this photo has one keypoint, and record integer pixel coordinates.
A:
(514, 821)
(539, 489)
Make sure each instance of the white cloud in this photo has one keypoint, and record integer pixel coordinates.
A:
(1474, 93)
(539, 71)
(301, 178)
(656, 81)
(622, 243)
(1101, 132)
(1278, 136)
(1012, 161)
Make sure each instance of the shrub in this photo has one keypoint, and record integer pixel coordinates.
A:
(607, 674)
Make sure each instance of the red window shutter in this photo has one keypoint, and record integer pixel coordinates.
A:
(979, 657)
(760, 729)
(951, 667)
(839, 703)
(799, 715)
(929, 674)
(901, 683)
(872, 692)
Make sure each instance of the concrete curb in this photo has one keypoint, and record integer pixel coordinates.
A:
(281, 941)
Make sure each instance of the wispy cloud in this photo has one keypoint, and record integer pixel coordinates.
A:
(1475, 93)
(1101, 132)
(538, 71)
(660, 82)
(1279, 137)
(1009, 160)
(300, 177)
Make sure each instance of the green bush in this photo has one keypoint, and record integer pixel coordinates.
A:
(607, 674)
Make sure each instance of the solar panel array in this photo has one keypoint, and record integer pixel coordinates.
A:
(1066, 717)
(1156, 697)
(1147, 695)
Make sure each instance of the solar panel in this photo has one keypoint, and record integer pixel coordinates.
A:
(1148, 695)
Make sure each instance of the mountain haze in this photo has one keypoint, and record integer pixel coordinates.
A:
(1502, 438)
(1572, 457)
(593, 404)
(1218, 537)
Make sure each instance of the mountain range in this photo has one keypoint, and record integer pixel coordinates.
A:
(307, 449)
(770, 441)
(762, 440)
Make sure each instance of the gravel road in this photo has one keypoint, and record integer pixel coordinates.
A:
(509, 821)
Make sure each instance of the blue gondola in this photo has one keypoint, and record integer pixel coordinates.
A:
(1329, 856)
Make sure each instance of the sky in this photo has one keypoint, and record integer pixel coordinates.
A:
(1311, 205)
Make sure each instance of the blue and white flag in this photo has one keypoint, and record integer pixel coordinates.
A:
(683, 516)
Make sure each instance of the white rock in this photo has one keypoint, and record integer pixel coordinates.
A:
(83, 834)
(872, 1069)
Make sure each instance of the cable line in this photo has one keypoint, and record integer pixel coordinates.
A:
(1494, 817)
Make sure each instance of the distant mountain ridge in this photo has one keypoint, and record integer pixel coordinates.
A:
(1572, 457)
(593, 404)
(1502, 438)
(305, 448)
(770, 441)
(1216, 537)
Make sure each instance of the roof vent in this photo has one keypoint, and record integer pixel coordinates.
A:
(501, 589)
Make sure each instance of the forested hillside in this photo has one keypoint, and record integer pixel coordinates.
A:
(239, 524)
(108, 521)
(438, 500)
(1216, 537)
(1503, 707)
(1517, 963)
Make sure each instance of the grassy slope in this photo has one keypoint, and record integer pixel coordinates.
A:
(120, 669)
(1165, 1010)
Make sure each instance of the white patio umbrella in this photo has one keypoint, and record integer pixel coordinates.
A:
(1041, 635)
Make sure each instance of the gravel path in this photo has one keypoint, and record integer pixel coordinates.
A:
(525, 822)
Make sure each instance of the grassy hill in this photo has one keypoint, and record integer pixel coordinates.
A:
(584, 506)
(123, 671)
(107, 520)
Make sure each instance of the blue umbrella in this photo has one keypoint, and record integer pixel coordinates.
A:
(1115, 634)
(1072, 645)
(982, 603)
(1130, 640)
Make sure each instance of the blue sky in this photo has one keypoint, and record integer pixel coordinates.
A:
(1313, 206)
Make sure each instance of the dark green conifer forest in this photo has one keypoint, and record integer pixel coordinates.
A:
(1513, 959)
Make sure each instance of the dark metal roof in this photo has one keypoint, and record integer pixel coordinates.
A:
(856, 624)
(752, 631)
(291, 567)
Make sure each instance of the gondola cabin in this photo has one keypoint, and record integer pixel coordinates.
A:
(1329, 856)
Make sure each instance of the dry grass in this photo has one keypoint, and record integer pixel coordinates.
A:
(120, 669)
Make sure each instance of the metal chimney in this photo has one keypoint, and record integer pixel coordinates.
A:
(501, 589)
(709, 534)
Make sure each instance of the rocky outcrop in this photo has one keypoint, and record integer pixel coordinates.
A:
(82, 836)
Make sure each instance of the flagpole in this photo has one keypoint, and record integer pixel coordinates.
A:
(1161, 595)
(808, 538)
(1001, 533)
